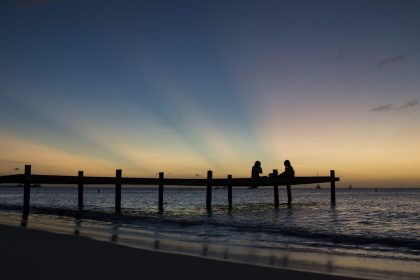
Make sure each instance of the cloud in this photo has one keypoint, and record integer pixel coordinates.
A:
(383, 108)
(411, 104)
(388, 107)
(395, 58)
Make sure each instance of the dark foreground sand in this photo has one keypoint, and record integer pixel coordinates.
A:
(34, 254)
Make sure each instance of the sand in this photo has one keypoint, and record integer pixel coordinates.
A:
(34, 254)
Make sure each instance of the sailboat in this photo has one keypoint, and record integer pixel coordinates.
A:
(350, 187)
(318, 186)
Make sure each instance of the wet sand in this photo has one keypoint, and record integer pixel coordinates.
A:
(35, 254)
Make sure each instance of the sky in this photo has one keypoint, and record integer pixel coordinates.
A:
(189, 86)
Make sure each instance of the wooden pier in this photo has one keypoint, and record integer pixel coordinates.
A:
(80, 180)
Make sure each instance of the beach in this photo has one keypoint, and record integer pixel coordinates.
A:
(36, 254)
(309, 236)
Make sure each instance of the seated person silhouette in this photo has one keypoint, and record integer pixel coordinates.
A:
(288, 170)
(256, 170)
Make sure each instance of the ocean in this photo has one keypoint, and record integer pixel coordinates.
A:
(368, 233)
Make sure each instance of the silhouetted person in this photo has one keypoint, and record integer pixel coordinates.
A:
(256, 170)
(288, 170)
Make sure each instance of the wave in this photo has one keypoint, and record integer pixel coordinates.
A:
(144, 219)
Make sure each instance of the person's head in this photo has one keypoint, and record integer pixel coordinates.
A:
(257, 163)
(286, 162)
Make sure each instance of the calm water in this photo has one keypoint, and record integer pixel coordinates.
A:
(382, 225)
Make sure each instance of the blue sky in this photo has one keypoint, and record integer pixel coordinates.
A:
(187, 86)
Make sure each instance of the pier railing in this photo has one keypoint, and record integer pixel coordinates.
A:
(27, 179)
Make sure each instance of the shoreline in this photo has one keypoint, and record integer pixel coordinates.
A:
(310, 237)
(350, 267)
(40, 254)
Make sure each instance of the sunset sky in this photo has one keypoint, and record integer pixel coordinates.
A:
(187, 86)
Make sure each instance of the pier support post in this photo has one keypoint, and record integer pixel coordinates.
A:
(230, 191)
(80, 190)
(27, 190)
(209, 189)
(332, 174)
(289, 194)
(276, 189)
(161, 176)
(118, 175)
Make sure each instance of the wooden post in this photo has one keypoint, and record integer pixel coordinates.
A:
(161, 176)
(332, 174)
(230, 191)
(80, 190)
(289, 194)
(209, 189)
(27, 190)
(118, 174)
(276, 189)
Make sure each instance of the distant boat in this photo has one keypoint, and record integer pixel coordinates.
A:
(318, 187)
(350, 187)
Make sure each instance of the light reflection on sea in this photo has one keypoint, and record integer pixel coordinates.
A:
(365, 229)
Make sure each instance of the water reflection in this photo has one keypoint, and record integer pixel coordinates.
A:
(24, 220)
(156, 244)
(285, 260)
(271, 260)
(114, 230)
(329, 265)
(78, 226)
(205, 250)
(226, 253)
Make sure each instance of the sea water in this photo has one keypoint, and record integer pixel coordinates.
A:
(368, 233)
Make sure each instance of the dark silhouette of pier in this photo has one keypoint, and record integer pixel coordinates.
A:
(28, 179)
